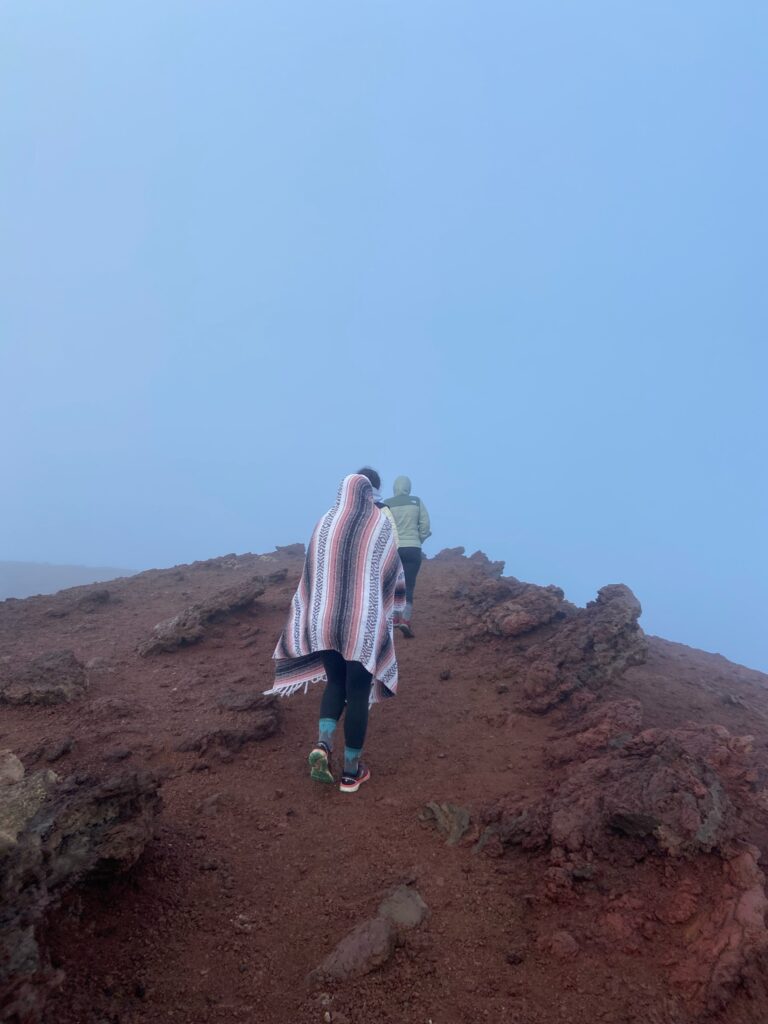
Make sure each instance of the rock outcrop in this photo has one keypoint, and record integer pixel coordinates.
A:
(233, 740)
(554, 648)
(190, 625)
(595, 645)
(509, 608)
(52, 836)
(57, 677)
(681, 796)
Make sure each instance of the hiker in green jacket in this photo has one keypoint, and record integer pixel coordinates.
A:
(412, 521)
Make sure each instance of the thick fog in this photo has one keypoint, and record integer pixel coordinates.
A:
(515, 251)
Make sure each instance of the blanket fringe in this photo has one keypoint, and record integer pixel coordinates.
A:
(288, 689)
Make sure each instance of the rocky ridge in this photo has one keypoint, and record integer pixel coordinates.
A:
(582, 808)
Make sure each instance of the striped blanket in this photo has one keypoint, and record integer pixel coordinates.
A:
(351, 587)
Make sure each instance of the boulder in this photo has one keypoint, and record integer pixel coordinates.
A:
(404, 908)
(53, 836)
(681, 799)
(11, 768)
(589, 649)
(190, 625)
(507, 607)
(246, 700)
(371, 944)
(449, 819)
(260, 727)
(95, 598)
(366, 948)
(53, 678)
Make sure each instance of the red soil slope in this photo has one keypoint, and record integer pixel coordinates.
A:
(577, 908)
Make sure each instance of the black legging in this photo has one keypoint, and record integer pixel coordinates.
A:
(348, 683)
(411, 559)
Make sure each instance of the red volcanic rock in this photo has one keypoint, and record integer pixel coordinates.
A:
(591, 648)
(52, 836)
(190, 625)
(57, 677)
(669, 794)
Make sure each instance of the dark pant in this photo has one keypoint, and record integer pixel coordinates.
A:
(411, 559)
(348, 684)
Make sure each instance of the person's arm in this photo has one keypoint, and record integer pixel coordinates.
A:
(424, 524)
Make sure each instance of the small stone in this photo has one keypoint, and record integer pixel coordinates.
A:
(452, 821)
(58, 750)
(445, 675)
(11, 768)
(211, 805)
(121, 754)
(514, 957)
(563, 945)
(502, 689)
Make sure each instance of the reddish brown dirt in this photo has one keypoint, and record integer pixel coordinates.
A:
(256, 872)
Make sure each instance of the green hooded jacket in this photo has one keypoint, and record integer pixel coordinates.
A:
(410, 515)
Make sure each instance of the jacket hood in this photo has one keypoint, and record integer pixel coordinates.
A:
(403, 485)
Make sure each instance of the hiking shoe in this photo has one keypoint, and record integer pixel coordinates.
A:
(320, 763)
(351, 783)
(405, 629)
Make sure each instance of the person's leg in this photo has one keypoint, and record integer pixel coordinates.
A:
(356, 719)
(334, 695)
(411, 559)
(331, 708)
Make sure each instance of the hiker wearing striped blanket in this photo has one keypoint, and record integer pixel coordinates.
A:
(340, 625)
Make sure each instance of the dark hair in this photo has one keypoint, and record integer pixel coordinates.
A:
(371, 475)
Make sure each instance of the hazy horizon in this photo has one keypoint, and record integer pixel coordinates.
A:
(30, 579)
(516, 252)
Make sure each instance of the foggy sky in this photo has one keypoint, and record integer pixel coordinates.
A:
(515, 250)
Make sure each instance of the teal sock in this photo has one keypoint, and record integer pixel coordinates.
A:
(351, 760)
(326, 730)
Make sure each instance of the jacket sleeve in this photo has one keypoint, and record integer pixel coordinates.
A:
(424, 524)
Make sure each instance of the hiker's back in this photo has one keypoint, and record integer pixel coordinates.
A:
(405, 511)
(409, 514)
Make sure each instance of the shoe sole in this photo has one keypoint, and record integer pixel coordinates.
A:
(354, 788)
(407, 633)
(318, 763)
